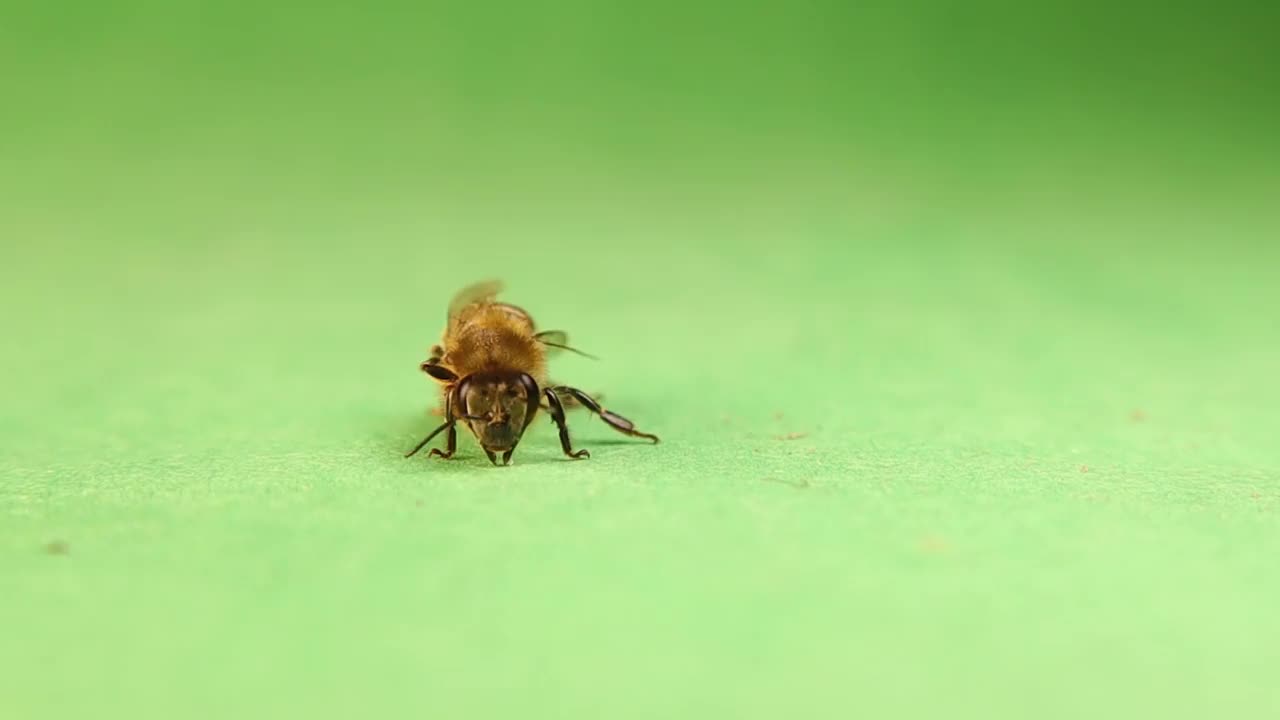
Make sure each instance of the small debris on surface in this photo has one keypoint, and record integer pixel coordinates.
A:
(1084, 468)
(777, 415)
(792, 436)
(57, 547)
(418, 503)
(1137, 416)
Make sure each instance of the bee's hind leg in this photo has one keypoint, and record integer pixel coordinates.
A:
(570, 403)
(612, 419)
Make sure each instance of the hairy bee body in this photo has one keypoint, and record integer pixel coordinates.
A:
(491, 364)
(493, 337)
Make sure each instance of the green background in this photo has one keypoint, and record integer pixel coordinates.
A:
(957, 321)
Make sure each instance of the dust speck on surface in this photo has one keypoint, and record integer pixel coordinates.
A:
(777, 415)
(1084, 468)
(800, 484)
(57, 547)
(1137, 416)
(418, 503)
(1255, 495)
(792, 436)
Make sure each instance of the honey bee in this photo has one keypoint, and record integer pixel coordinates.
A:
(492, 368)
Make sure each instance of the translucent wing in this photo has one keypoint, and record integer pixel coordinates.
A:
(556, 340)
(553, 337)
(484, 291)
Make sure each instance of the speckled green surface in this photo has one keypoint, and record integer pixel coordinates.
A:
(963, 356)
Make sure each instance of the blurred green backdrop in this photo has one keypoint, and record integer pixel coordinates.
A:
(953, 318)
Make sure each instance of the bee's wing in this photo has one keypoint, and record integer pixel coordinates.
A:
(553, 338)
(556, 340)
(472, 294)
(486, 291)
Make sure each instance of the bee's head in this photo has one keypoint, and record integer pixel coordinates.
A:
(497, 407)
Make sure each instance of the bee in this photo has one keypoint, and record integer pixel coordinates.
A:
(491, 365)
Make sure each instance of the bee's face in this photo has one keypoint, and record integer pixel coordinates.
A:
(497, 410)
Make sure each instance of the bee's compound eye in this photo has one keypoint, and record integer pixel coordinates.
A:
(480, 399)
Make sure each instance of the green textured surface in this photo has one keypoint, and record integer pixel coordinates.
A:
(959, 329)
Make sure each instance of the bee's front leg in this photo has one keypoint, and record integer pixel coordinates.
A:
(450, 444)
(451, 438)
(557, 415)
(452, 435)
